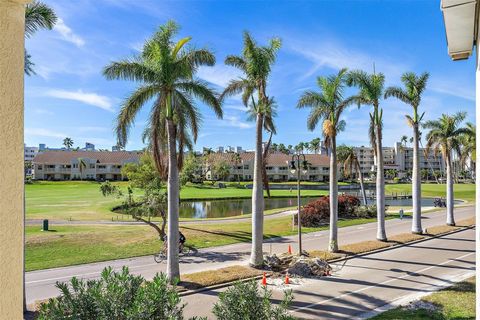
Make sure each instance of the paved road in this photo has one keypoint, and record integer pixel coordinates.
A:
(41, 284)
(372, 281)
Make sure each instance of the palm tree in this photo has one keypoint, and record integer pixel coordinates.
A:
(68, 142)
(236, 159)
(269, 112)
(37, 16)
(371, 91)
(445, 137)
(315, 145)
(469, 150)
(256, 64)
(82, 165)
(348, 157)
(166, 72)
(328, 105)
(412, 95)
(404, 140)
(282, 148)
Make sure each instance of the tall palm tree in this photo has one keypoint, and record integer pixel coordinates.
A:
(469, 150)
(166, 71)
(37, 16)
(412, 95)
(403, 140)
(256, 63)
(327, 106)
(445, 137)
(236, 159)
(371, 92)
(68, 142)
(348, 157)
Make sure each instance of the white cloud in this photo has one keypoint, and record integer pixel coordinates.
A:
(44, 133)
(234, 121)
(219, 75)
(237, 107)
(453, 88)
(336, 56)
(92, 129)
(93, 99)
(67, 33)
(43, 111)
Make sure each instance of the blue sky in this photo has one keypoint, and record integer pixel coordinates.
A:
(70, 97)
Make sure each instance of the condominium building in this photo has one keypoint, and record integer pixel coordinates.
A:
(277, 167)
(82, 165)
(399, 158)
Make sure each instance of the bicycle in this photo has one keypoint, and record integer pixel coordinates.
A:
(162, 254)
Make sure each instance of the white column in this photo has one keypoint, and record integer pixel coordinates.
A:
(477, 166)
(12, 20)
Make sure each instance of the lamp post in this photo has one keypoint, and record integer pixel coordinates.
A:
(299, 165)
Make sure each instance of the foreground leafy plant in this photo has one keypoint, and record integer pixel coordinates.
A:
(245, 301)
(116, 295)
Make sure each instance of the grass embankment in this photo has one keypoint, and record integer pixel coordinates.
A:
(82, 200)
(455, 302)
(69, 245)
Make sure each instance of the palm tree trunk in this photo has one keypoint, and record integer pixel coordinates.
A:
(173, 269)
(450, 217)
(264, 165)
(381, 234)
(333, 241)
(362, 186)
(256, 258)
(416, 185)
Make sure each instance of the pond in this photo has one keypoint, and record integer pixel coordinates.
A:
(229, 208)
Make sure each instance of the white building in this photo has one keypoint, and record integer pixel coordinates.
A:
(399, 158)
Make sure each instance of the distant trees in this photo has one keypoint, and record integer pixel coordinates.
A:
(221, 170)
(68, 142)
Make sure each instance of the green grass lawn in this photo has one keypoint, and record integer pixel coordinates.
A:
(461, 191)
(456, 302)
(69, 245)
(82, 200)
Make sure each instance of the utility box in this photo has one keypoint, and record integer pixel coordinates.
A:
(45, 225)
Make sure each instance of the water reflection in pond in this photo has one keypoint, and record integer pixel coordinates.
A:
(237, 207)
(230, 208)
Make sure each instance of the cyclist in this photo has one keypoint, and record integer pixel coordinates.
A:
(181, 241)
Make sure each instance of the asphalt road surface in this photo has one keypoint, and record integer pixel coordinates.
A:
(369, 282)
(41, 284)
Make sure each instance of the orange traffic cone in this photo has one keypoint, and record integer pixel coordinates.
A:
(289, 249)
(287, 279)
(264, 280)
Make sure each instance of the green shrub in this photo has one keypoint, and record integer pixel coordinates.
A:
(245, 301)
(368, 211)
(116, 295)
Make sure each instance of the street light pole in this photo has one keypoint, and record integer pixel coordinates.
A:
(296, 165)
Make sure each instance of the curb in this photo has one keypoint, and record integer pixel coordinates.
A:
(346, 258)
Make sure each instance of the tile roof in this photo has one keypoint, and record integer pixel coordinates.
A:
(274, 159)
(66, 157)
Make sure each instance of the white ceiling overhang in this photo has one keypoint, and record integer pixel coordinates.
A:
(460, 26)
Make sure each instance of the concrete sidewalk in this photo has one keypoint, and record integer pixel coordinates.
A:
(41, 284)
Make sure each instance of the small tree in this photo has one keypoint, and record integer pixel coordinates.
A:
(191, 170)
(245, 301)
(222, 170)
